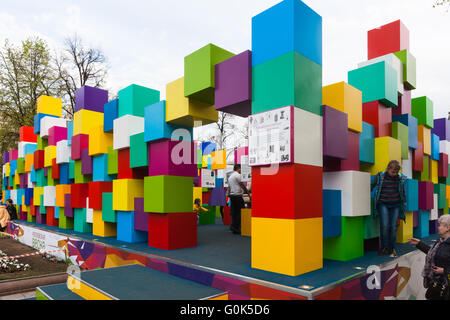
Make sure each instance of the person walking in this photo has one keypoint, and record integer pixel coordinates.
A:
(389, 204)
(436, 272)
(236, 192)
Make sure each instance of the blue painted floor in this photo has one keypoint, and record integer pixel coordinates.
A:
(220, 249)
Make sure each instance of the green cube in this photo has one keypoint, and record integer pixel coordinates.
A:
(80, 224)
(138, 151)
(290, 79)
(50, 180)
(42, 208)
(108, 214)
(199, 72)
(199, 159)
(41, 180)
(446, 210)
(133, 99)
(439, 189)
(350, 244)
(11, 181)
(31, 218)
(168, 194)
(422, 108)
(409, 68)
(424, 175)
(371, 225)
(207, 218)
(72, 169)
(401, 132)
(113, 160)
(42, 143)
(79, 177)
(377, 81)
(20, 165)
(65, 223)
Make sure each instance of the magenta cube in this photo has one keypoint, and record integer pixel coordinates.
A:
(79, 143)
(335, 133)
(404, 104)
(140, 217)
(172, 158)
(68, 210)
(442, 129)
(86, 162)
(40, 218)
(238, 153)
(352, 161)
(13, 155)
(56, 134)
(426, 198)
(90, 98)
(233, 92)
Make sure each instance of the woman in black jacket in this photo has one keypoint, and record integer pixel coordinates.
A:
(437, 264)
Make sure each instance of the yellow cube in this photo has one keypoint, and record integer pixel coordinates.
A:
(101, 228)
(345, 98)
(197, 194)
(285, 246)
(434, 174)
(16, 179)
(37, 192)
(49, 105)
(24, 208)
(7, 170)
(124, 192)
(447, 193)
(246, 222)
(424, 136)
(205, 160)
(219, 160)
(184, 111)
(29, 161)
(84, 120)
(49, 154)
(61, 191)
(405, 230)
(99, 141)
(386, 150)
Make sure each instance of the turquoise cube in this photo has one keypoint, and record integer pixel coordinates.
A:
(41, 179)
(138, 151)
(133, 100)
(332, 213)
(108, 214)
(367, 144)
(377, 82)
(69, 133)
(80, 224)
(423, 229)
(100, 168)
(125, 228)
(435, 148)
(412, 195)
(111, 110)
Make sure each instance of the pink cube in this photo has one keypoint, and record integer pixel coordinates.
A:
(172, 158)
(56, 134)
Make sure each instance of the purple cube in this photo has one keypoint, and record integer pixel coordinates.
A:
(172, 158)
(140, 217)
(442, 129)
(68, 210)
(40, 218)
(90, 98)
(5, 157)
(233, 92)
(218, 197)
(86, 162)
(335, 133)
(415, 219)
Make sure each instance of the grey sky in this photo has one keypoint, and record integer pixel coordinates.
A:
(146, 41)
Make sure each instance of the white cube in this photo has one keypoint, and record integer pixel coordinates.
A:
(434, 215)
(49, 196)
(124, 128)
(13, 196)
(21, 148)
(63, 152)
(49, 122)
(444, 147)
(355, 187)
(89, 212)
(407, 165)
(308, 138)
(394, 62)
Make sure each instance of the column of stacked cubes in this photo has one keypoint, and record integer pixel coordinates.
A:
(287, 232)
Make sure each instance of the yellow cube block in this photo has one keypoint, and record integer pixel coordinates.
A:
(37, 192)
(219, 160)
(24, 208)
(347, 99)
(424, 136)
(434, 174)
(447, 193)
(124, 192)
(101, 228)
(184, 111)
(84, 120)
(16, 179)
(386, 150)
(61, 191)
(285, 246)
(49, 154)
(29, 161)
(246, 222)
(405, 230)
(7, 170)
(49, 105)
(197, 194)
(205, 160)
(99, 141)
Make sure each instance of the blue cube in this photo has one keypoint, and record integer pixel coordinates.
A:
(56, 212)
(412, 195)
(367, 144)
(30, 148)
(101, 168)
(423, 229)
(13, 166)
(28, 196)
(20, 194)
(435, 149)
(33, 174)
(411, 122)
(332, 213)
(7, 195)
(207, 148)
(69, 133)
(64, 173)
(111, 110)
(37, 121)
(125, 228)
(288, 26)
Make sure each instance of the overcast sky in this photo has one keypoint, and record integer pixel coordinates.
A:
(146, 41)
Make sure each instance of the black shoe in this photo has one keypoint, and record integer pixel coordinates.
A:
(392, 253)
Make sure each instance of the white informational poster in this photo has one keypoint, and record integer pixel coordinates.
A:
(208, 178)
(270, 135)
(246, 170)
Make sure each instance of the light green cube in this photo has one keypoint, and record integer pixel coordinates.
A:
(409, 68)
(168, 194)
(401, 132)
(65, 223)
(113, 161)
(422, 108)
(350, 244)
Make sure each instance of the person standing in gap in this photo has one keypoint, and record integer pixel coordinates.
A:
(236, 192)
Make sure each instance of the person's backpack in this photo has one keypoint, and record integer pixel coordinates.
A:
(12, 212)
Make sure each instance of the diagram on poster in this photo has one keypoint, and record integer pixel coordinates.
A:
(246, 170)
(270, 137)
(208, 178)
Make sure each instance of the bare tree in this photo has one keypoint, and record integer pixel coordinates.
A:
(78, 66)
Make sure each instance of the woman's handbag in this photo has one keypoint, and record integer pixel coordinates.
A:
(438, 290)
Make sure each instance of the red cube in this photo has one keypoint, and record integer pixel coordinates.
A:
(79, 142)
(205, 197)
(172, 231)
(390, 38)
(226, 220)
(55, 169)
(79, 193)
(352, 161)
(96, 190)
(417, 158)
(39, 157)
(51, 220)
(443, 165)
(26, 134)
(297, 188)
(124, 169)
(380, 116)
(32, 209)
(426, 195)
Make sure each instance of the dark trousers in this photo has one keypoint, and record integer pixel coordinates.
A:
(389, 214)
(237, 203)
